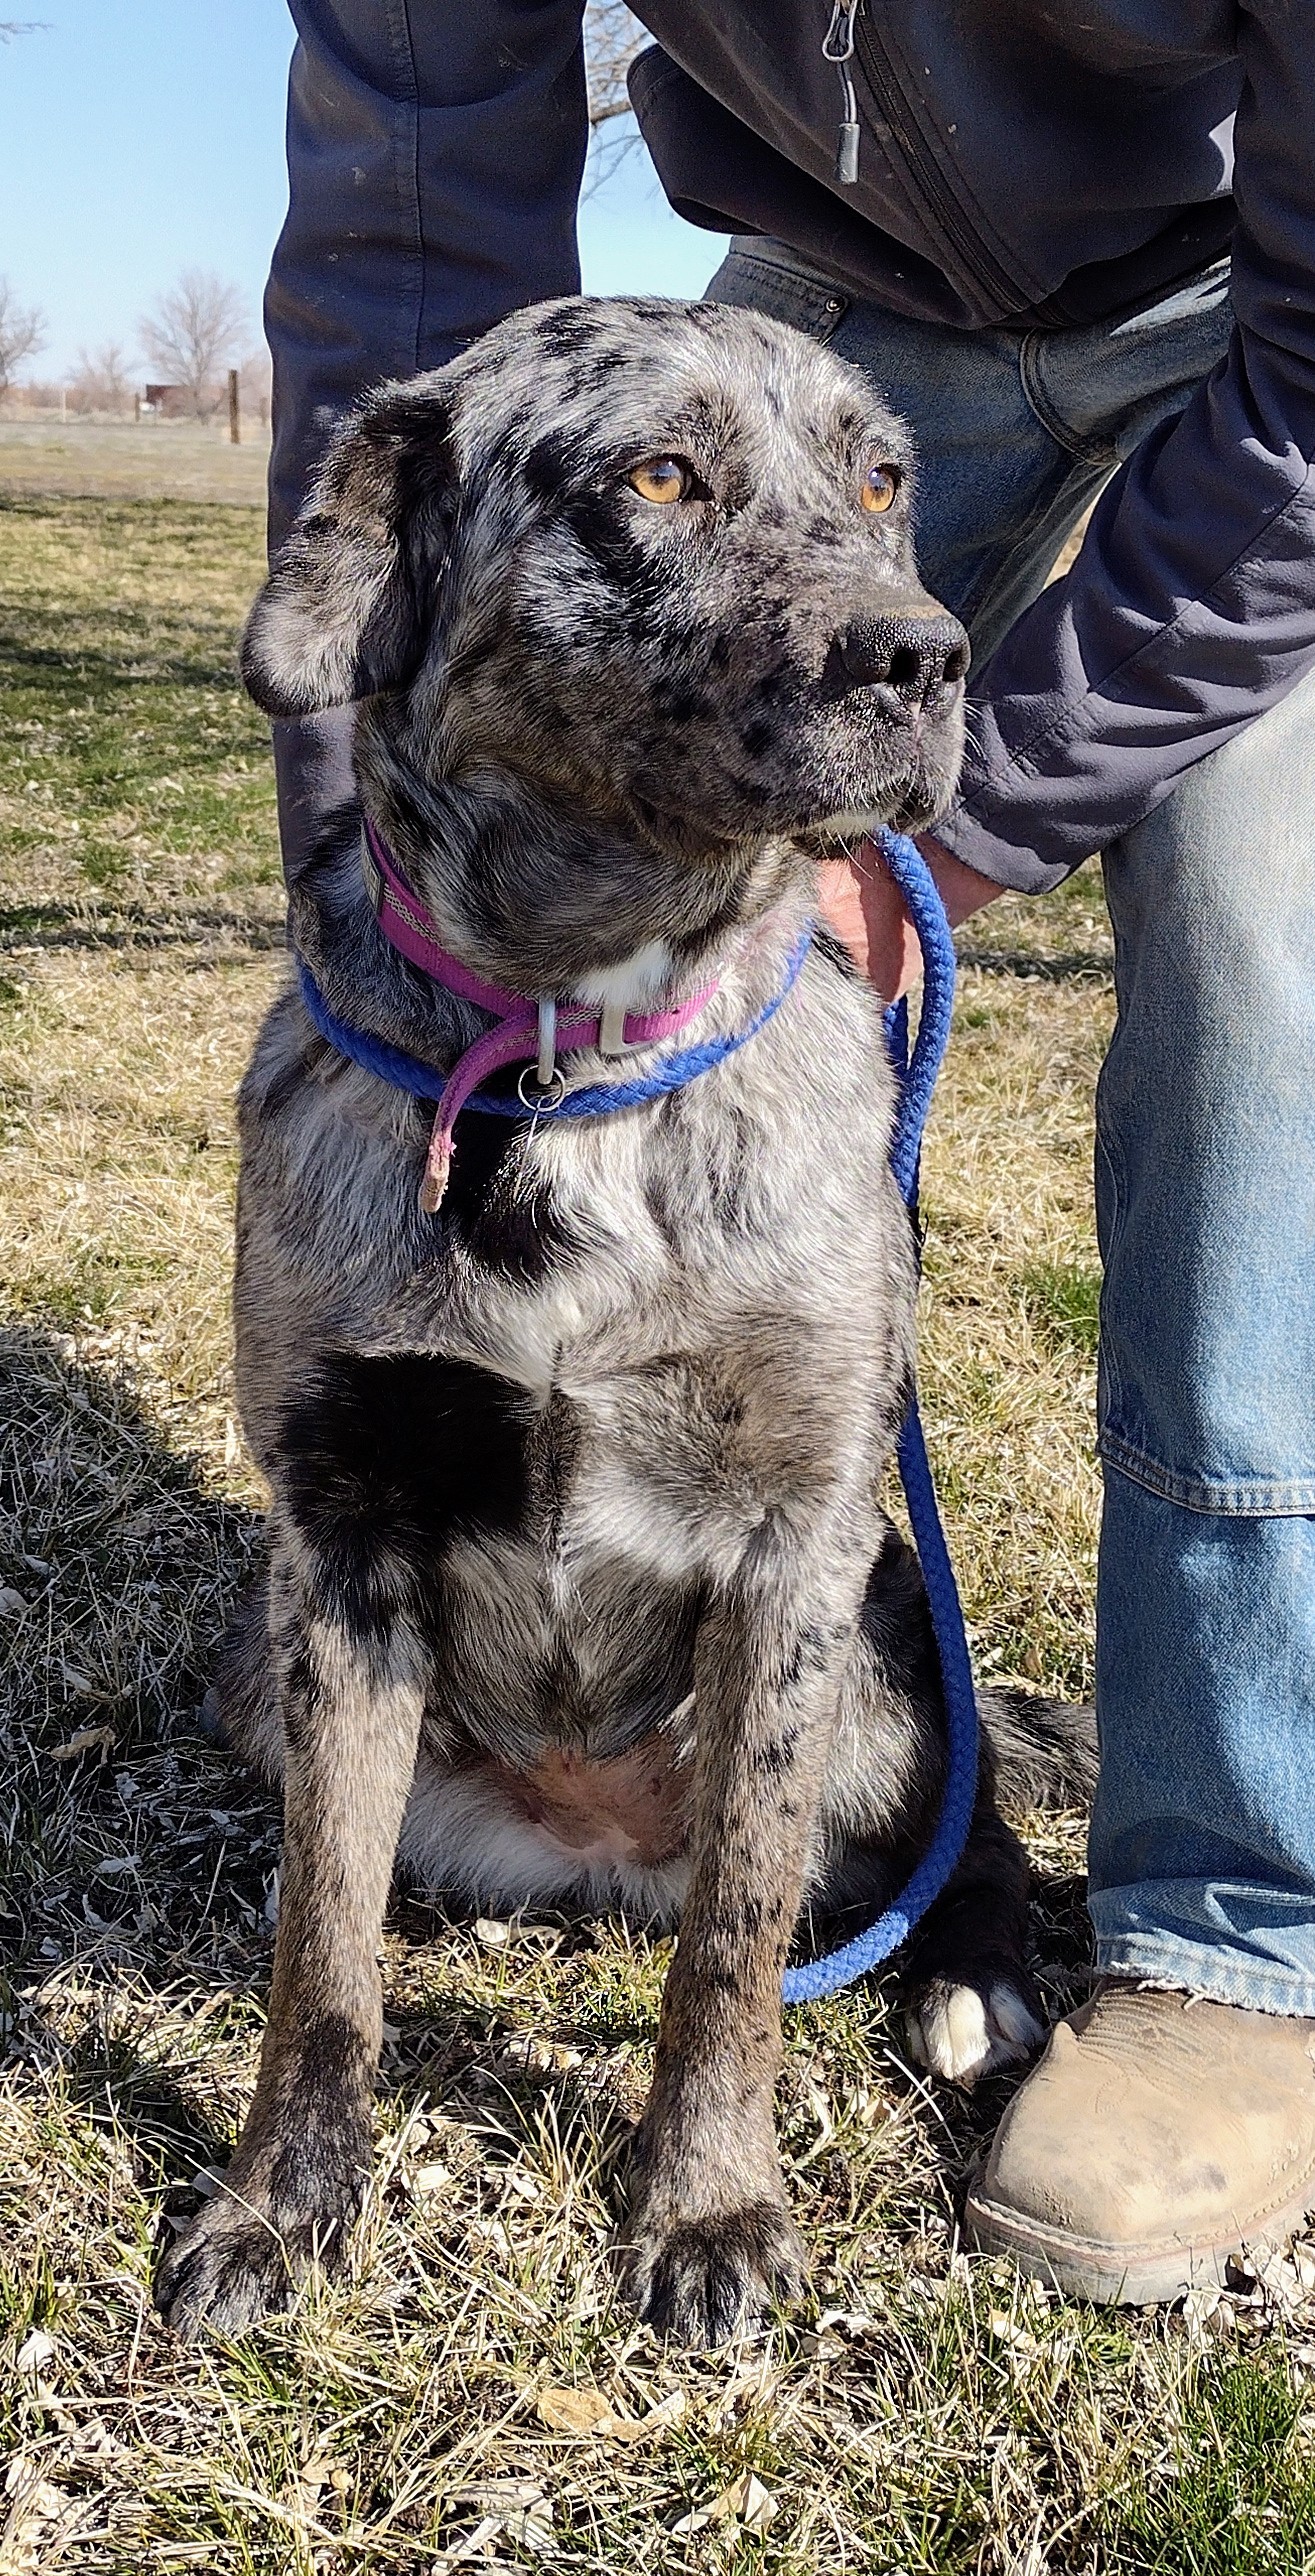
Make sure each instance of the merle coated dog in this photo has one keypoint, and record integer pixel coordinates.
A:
(579, 1586)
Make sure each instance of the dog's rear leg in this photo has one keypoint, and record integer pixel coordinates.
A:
(973, 2006)
(351, 1676)
(711, 2238)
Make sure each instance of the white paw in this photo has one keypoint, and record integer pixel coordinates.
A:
(954, 2034)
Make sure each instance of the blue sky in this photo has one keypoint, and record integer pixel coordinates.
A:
(141, 137)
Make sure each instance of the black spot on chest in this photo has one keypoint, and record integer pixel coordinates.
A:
(386, 1459)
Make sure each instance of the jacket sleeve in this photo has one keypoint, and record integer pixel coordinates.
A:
(435, 151)
(1191, 606)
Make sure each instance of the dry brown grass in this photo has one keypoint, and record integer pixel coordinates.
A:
(471, 2394)
(165, 460)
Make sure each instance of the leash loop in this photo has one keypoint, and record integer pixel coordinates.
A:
(917, 1080)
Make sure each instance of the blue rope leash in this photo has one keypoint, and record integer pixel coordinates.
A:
(917, 1080)
(917, 1083)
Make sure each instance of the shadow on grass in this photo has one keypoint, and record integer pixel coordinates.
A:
(1076, 965)
(125, 1872)
(53, 926)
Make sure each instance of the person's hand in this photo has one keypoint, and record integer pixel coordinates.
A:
(859, 899)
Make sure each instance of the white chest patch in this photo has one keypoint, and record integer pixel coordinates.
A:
(630, 985)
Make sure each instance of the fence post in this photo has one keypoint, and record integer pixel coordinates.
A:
(234, 409)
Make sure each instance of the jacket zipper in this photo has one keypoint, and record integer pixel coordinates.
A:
(1005, 294)
(838, 48)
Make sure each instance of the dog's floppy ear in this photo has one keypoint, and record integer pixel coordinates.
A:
(348, 606)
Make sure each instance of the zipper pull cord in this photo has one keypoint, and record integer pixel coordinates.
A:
(838, 48)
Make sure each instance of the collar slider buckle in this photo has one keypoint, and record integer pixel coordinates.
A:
(612, 1039)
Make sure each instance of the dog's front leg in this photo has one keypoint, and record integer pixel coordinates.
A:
(351, 1672)
(711, 2237)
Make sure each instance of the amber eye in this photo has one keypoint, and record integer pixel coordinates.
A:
(879, 487)
(660, 478)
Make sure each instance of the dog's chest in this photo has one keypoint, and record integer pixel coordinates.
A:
(577, 1621)
(560, 1547)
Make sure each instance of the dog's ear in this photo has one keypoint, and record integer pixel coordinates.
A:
(349, 604)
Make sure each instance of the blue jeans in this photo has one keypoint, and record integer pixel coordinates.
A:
(1202, 1863)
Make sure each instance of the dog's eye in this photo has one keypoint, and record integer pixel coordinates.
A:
(879, 487)
(661, 479)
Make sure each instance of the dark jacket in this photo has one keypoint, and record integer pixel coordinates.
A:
(1023, 162)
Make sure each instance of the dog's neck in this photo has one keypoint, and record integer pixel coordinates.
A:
(540, 895)
(730, 924)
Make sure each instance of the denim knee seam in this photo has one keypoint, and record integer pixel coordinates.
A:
(1241, 1498)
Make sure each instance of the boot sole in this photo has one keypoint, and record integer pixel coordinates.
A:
(1119, 2276)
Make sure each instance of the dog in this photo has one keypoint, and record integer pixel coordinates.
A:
(580, 1589)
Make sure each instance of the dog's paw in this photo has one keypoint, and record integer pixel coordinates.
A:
(241, 2259)
(962, 2034)
(700, 2281)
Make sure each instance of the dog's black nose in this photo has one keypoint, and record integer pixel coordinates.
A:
(914, 656)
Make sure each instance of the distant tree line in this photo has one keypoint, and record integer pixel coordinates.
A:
(188, 341)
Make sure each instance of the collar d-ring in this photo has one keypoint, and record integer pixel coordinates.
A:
(546, 1096)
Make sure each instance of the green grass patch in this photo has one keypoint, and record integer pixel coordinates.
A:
(130, 755)
(1063, 1300)
(1235, 2495)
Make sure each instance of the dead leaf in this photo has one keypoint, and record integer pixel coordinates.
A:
(430, 2178)
(12, 1604)
(499, 2495)
(34, 2353)
(586, 2410)
(573, 2410)
(39, 2512)
(89, 1739)
(848, 2321)
(669, 2412)
(747, 2503)
(1007, 2331)
(492, 1935)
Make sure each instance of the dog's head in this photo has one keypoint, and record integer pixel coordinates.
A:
(652, 562)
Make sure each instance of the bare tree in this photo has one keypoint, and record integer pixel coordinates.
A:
(10, 27)
(22, 333)
(193, 334)
(612, 38)
(100, 382)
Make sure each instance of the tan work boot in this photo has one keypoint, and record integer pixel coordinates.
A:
(1158, 2135)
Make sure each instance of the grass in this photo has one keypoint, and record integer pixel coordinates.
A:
(179, 460)
(472, 2395)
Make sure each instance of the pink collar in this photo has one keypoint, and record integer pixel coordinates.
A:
(526, 1030)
